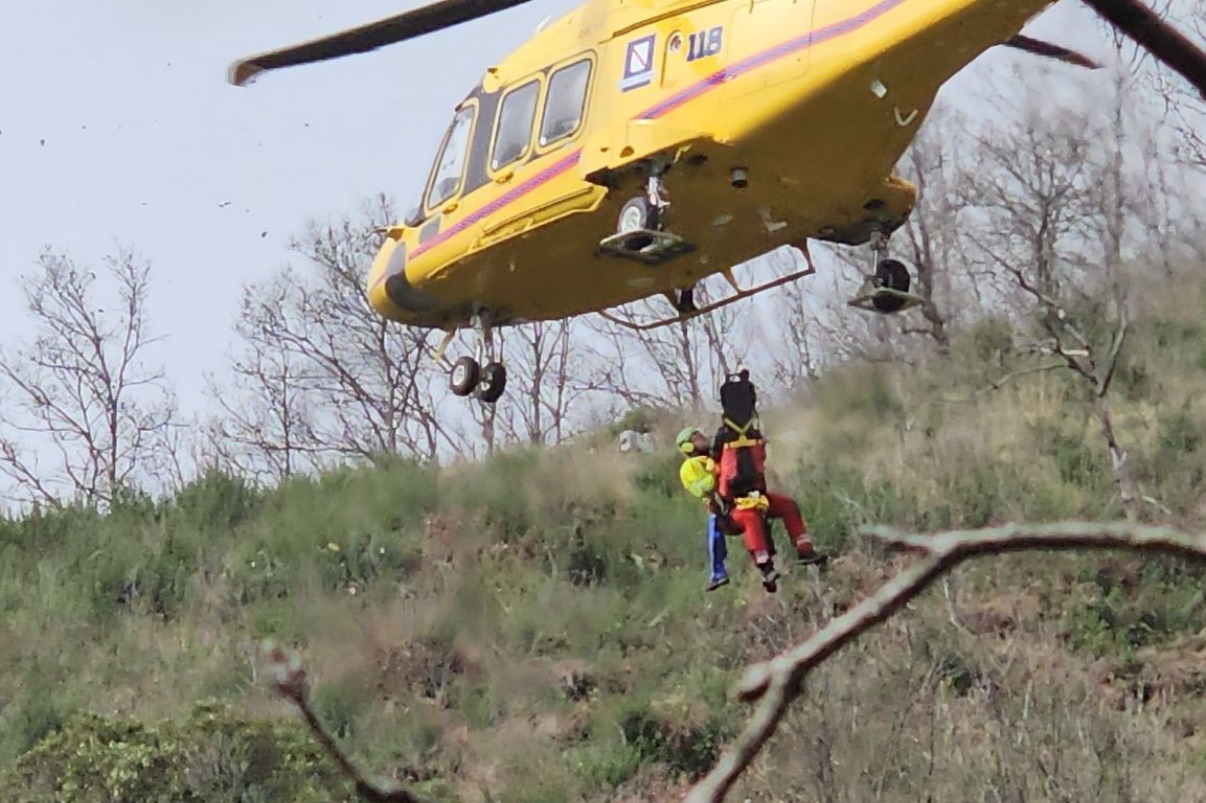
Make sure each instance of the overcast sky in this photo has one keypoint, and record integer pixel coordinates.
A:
(117, 127)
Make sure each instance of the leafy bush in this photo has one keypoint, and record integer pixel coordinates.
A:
(1135, 605)
(211, 755)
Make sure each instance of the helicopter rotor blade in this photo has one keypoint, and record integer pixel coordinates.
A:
(1058, 52)
(417, 22)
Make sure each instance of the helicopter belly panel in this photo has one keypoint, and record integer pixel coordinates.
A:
(753, 67)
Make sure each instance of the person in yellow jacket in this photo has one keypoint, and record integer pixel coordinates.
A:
(698, 475)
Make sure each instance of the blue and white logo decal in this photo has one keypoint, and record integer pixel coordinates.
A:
(638, 63)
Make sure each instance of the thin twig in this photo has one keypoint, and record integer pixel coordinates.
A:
(997, 384)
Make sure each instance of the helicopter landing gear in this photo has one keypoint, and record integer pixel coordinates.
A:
(640, 229)
(885, 291)
(486, 382)
(492, 383)
(639, 215)
(684, 300)
(463, 376)
(468, 375)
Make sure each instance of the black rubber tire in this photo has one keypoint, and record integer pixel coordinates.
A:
(464, 376)
(492, 383)
(893, 275)
(639, 208)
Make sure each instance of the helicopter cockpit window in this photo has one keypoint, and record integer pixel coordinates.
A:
(566, 102)
(515, 125)
(451, 162)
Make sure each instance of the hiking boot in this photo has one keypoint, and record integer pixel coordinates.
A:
(717, 582)
(770, 576)
(810, 558)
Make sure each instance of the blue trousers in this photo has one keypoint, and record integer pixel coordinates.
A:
(717, 551)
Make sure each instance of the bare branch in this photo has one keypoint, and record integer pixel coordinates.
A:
(779, 681)
(291, 682)
(1000, 382)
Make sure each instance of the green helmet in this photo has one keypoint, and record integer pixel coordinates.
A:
(683, 441)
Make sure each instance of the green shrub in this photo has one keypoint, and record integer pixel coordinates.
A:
(1114, 619)
(688, 742)
(211, 755)
(217, 500)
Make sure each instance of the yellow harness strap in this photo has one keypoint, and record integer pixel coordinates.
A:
(741, 439)
(754, 501)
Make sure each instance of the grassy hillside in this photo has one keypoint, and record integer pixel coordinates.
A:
(535, 629)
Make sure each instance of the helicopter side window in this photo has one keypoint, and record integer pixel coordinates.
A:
(450, 164)
(566, 102)
(515, 120)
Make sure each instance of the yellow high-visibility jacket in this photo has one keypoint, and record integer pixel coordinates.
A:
(698, 475)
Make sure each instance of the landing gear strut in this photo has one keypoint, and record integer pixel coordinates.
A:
(886, 290)
(468, 375)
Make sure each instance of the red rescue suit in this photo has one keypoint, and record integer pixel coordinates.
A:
(741, 460)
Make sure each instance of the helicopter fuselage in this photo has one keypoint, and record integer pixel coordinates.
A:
(778, 120)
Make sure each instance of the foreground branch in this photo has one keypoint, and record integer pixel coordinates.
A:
(292, 683)
(776, 683)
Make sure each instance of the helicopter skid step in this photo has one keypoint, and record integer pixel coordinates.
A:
(646, 245)
(865, 300)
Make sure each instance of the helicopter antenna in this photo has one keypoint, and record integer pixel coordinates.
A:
(543, 23)
(391, 30)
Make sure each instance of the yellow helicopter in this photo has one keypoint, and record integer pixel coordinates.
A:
(768, 122)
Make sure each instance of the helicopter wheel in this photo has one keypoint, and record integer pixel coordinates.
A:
(893, 275)
(492, 383)
(464, 376)
(638, 214)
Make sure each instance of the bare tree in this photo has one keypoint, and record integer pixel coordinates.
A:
(541, 358)
(343, 382)
(1097, 365)
(1030, 192)
(932, 231)
(805, 327)
(1057, 194)
(265, 425)
(675, 365)
(83, 387)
